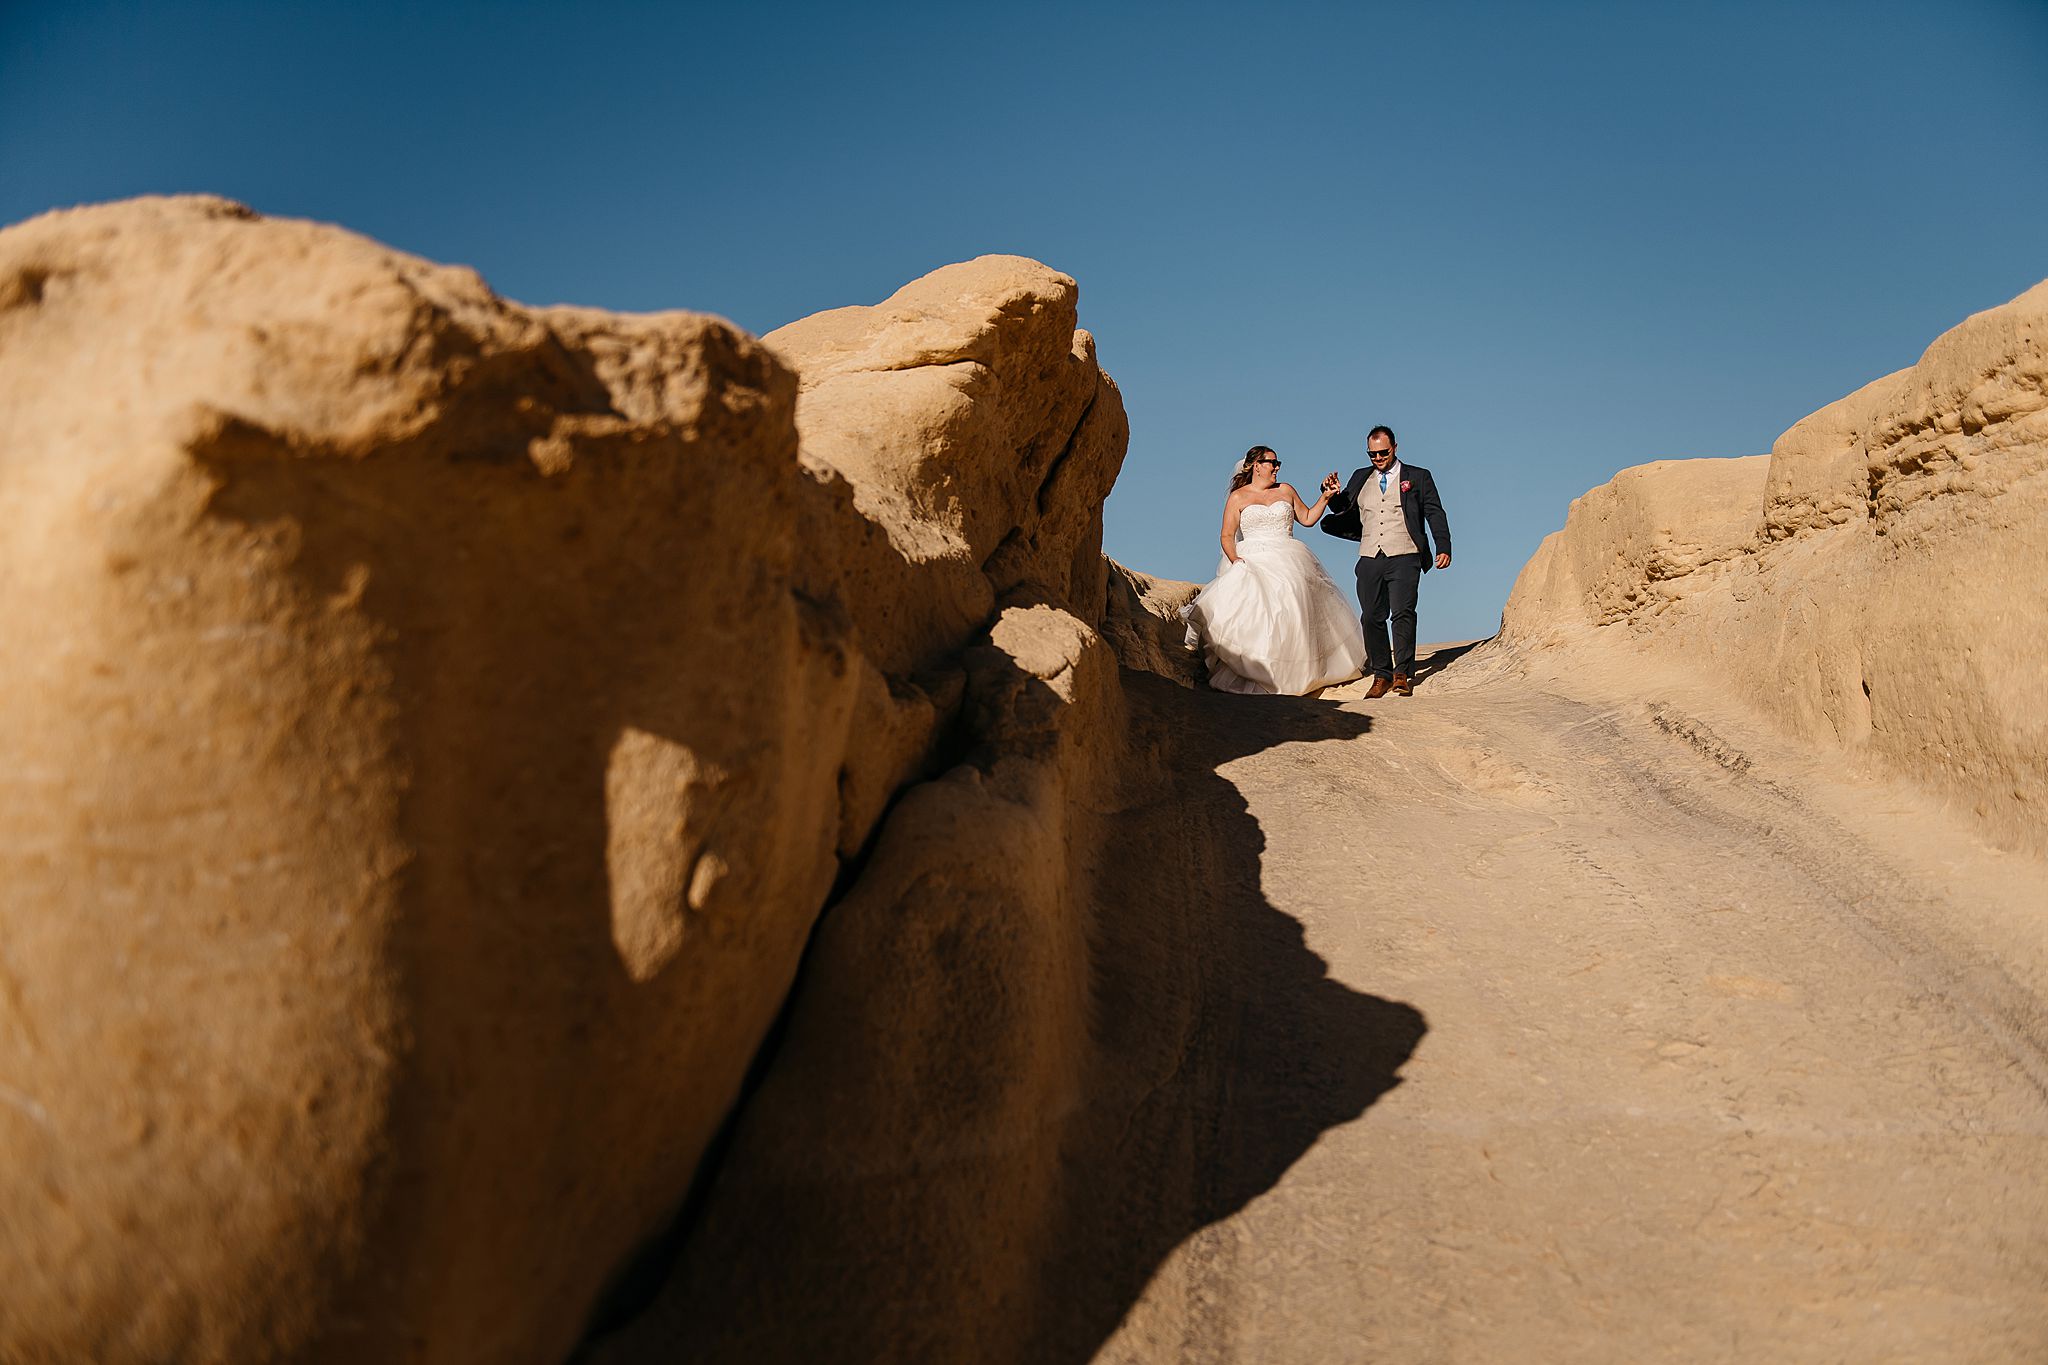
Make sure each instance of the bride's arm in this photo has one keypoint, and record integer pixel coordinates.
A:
(1230, 511)
(1305, 514)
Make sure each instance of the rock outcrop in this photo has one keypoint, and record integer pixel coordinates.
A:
(1874, 583)
(893, 1189)
(907, 399)
(1141, 618)
(432, 728)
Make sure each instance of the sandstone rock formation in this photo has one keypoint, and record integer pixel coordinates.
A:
(1141, 618)
(892, 1190)
(432, 728)
(906, 400)
(1874, 583)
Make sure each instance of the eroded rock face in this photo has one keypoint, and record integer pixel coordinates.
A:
(1874, 582)
(1141, 619)
(892, 1190)
(431, 729)
(905, 399)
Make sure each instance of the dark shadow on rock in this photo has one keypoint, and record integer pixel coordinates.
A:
(1442, 657)
(995, 1118)
(1266, 1051)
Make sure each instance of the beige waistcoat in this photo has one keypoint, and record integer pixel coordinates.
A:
(1379, 517)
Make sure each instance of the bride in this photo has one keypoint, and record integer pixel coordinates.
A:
(1273, 619)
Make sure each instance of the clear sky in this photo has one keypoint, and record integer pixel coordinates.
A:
(1543, 241)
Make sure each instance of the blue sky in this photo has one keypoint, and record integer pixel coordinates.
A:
(1542, 241)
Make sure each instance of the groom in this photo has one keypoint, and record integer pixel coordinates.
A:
(1383, 508)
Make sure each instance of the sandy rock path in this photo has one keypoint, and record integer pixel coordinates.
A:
(1711, 1068)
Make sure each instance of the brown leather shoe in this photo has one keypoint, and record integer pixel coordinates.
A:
(1378, 688)
(1404, 686)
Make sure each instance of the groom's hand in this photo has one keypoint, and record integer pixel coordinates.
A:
(1331, 483)
(1443, 561)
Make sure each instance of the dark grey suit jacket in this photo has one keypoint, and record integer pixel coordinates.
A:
(1419, 504)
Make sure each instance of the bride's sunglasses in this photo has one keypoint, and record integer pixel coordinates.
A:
(1268, 460)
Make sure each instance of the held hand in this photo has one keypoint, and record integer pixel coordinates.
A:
(1331, 484)
(1443, 562)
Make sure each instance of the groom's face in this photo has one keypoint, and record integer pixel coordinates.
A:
(1381, 452)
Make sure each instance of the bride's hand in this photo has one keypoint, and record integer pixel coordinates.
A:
(1331, 484)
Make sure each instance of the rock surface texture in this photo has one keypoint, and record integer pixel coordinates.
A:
(431, 730)
(1141, 617)
(1874, 583)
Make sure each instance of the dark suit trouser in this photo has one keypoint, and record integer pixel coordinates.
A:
(1387, 589)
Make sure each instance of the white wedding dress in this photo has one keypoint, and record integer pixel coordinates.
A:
(1274, 621)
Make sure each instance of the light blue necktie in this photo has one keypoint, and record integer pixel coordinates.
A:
(1383, 481)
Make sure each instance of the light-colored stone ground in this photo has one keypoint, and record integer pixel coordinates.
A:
(1728, 1056)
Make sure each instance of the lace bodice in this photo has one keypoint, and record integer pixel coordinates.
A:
(1263, 521)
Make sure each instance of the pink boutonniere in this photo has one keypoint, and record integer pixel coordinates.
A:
(1405, 485)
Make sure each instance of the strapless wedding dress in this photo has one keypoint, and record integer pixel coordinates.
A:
(1275, 621)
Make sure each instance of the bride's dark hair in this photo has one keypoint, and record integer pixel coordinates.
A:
(1243, 475)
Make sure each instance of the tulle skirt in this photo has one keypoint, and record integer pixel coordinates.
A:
(1275, 621)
